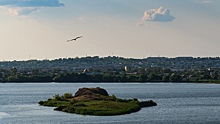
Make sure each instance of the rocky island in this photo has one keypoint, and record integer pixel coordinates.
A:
(95, 101)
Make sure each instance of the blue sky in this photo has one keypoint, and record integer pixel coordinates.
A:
(39, 29)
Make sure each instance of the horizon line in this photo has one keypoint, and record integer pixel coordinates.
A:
(31, 59)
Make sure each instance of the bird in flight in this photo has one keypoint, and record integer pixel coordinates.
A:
(74, 38)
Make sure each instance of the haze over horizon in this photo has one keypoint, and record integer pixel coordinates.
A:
(39, 29)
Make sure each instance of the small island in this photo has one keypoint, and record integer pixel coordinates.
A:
(95, 101)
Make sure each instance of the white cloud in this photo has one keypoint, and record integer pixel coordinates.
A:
(160, 15)
(156, 15)
(25, 7)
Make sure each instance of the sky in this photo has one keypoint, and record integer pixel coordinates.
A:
(39, 29)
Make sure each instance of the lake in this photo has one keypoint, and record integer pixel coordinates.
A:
(178, 103)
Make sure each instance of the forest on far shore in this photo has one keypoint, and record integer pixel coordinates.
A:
(140, 75)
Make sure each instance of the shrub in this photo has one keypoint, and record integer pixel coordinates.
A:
(135, 99)
(41, 102)
(57, 97)
(114, 97)
(67, 96)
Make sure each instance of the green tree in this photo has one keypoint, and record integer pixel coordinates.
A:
(175, 78)
(154, 77)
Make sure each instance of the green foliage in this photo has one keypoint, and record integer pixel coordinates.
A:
(114, 97)
(41, 102)
(175, 78)
(135, 99)
(147, 103)
(106, 108)
(79, 105)
(73, 101)
(57, 97)
(53, 103)
(67, 96)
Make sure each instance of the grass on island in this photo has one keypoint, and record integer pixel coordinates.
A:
(110, 105)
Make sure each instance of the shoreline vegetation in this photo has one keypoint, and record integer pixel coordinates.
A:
(105, 78)
(144, 76)
(95, 101)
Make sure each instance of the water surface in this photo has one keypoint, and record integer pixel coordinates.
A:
(178, 103)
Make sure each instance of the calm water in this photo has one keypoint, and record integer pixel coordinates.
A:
(177, 103)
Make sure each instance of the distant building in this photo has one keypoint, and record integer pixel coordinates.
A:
(127, 68)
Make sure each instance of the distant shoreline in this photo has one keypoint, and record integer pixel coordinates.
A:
(113, 69)
(120, 82)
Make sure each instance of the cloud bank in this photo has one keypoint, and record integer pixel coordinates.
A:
(25, 7)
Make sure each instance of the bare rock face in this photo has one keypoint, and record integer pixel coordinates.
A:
(91, 93)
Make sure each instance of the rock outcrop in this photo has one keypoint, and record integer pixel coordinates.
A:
(91, 94)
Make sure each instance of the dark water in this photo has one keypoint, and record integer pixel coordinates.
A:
(177, 103)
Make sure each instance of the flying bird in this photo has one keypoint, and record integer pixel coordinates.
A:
(74, 38)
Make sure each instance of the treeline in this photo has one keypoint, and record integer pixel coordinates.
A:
(141, 75)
